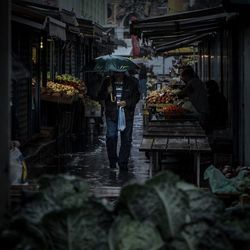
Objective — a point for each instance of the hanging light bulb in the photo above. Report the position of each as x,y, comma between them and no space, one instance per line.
41,43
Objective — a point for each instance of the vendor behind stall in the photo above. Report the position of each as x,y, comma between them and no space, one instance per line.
197,93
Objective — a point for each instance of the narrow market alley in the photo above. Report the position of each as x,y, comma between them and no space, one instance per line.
90,162
88,159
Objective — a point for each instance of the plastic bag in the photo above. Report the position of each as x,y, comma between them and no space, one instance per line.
18,168
219,183
121,119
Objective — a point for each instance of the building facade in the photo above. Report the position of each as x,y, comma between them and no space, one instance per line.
95,10
120,12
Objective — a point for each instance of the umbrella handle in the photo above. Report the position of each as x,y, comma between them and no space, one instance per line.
113,99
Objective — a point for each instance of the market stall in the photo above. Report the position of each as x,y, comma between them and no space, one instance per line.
60,100
171,124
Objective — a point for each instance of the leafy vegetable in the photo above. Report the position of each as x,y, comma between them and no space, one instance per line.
236,223
204,205
201,236
159,202
22,235
56,193
164,213
78,229
128,234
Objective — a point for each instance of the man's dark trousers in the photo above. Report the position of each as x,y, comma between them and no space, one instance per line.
111,143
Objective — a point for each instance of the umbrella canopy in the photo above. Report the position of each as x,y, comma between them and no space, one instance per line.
114,63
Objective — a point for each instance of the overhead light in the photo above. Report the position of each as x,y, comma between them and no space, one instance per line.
41,43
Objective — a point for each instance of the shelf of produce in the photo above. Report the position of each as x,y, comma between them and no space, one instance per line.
59,99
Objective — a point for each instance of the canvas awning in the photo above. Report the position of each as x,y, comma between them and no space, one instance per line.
181,29
26,16
181,51
56,28
70,19
86,27
39,18
27,22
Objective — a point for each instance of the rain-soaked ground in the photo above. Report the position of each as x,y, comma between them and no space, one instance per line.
89,161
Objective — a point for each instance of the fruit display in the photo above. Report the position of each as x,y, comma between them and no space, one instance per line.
72,81
56,89
151,82
163,96
65,89
173,109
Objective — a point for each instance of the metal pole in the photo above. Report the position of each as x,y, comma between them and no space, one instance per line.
163,70
5,104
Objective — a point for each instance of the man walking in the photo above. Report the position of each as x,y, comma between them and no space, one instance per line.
118,91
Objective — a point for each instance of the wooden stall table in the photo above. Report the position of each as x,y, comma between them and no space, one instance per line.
174,136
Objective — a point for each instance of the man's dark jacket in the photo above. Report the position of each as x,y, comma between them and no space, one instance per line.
130,94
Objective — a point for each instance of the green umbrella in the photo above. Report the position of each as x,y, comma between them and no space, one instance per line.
114,63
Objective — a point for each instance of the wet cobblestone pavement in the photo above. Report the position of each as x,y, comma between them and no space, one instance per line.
91,163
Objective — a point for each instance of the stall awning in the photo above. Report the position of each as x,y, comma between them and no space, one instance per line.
183,15
170,46
39,18
181,29
26,16
27,22
100,32
56,28
68,17
86,27
181,51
